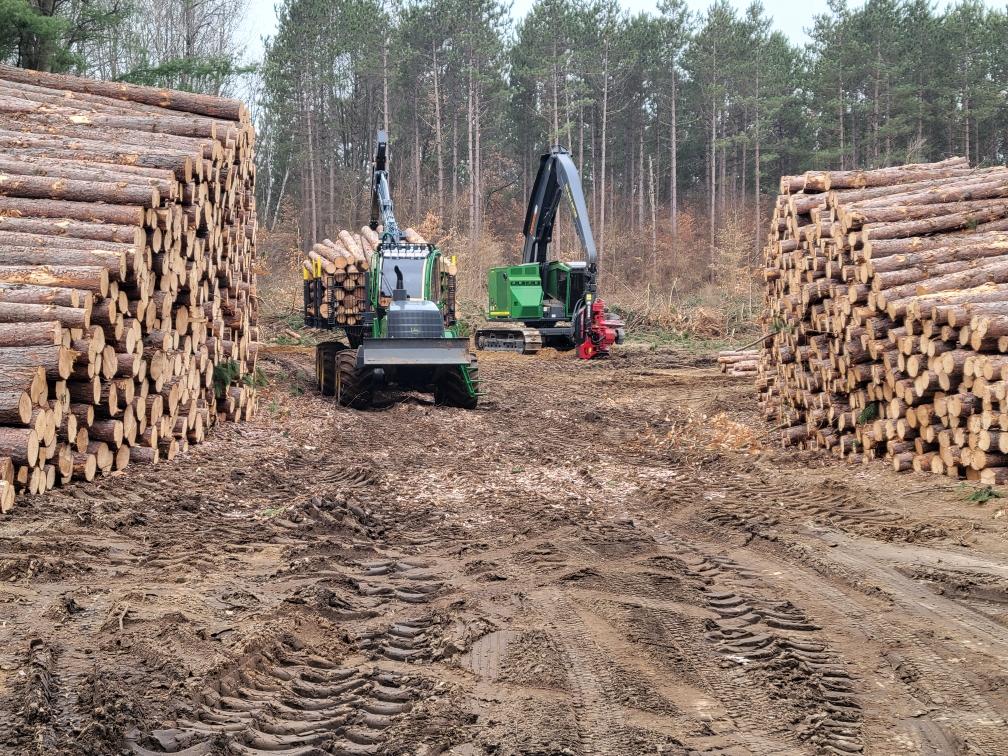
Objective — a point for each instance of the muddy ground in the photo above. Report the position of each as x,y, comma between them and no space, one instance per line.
596,561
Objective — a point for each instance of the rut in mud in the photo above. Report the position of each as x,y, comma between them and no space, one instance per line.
581,566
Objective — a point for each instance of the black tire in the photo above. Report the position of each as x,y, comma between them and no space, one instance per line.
352,386
355,336
325,366
453,391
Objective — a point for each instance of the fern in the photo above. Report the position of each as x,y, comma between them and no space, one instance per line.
983,495
224,374
868,413
255,380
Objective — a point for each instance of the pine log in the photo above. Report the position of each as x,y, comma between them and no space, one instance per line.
89,278
64,227
821,181
17,332
88,212
15,407
930,225
208,105
164,180
20,444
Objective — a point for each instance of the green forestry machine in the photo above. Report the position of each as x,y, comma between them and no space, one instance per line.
405,336
543,302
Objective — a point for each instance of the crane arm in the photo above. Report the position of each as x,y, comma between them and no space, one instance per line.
557,176
382,212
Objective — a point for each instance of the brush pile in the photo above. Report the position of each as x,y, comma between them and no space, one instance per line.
887,312
127,290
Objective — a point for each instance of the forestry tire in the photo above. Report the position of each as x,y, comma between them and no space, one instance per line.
352,389
452,390
325,366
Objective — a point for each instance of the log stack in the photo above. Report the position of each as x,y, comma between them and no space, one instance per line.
127,290
738,362
887,312
342,265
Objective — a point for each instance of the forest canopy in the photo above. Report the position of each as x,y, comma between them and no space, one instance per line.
662,111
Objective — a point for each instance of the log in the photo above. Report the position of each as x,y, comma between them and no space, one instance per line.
21,445
88,212
65,227
89,278
18,333
821,181
57,361
923,226
208,105
45,187
15,408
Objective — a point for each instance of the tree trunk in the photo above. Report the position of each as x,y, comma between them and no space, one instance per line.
713,175
605,115
471,161
652,189
437,134
674,179
640,181
207,105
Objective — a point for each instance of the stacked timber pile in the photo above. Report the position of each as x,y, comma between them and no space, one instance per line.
127,293
738,361
342,265
887,307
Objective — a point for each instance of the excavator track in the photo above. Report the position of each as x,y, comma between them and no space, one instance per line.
521,340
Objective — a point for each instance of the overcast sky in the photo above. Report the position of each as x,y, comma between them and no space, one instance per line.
790,17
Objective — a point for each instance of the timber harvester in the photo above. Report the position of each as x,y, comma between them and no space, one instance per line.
406,337
543,302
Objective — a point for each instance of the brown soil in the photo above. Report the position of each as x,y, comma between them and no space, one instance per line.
596,561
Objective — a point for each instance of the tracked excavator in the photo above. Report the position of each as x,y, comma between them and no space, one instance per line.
544,302
406,338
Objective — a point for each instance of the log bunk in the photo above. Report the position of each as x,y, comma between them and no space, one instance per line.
887,316
342,265
127,289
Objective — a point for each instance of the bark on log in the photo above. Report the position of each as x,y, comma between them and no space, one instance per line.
82,211
71,229
16,333
821,181
91,279
215,107
931,225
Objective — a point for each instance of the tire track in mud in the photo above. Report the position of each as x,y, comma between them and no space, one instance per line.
776,643
779,688
601,721
760,503
34,730
922,644
291,700
296,697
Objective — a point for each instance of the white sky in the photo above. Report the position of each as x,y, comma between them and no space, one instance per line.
790,17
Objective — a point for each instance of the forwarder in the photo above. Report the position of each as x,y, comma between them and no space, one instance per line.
406,336
543,302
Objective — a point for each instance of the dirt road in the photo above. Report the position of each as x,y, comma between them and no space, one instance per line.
582,566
